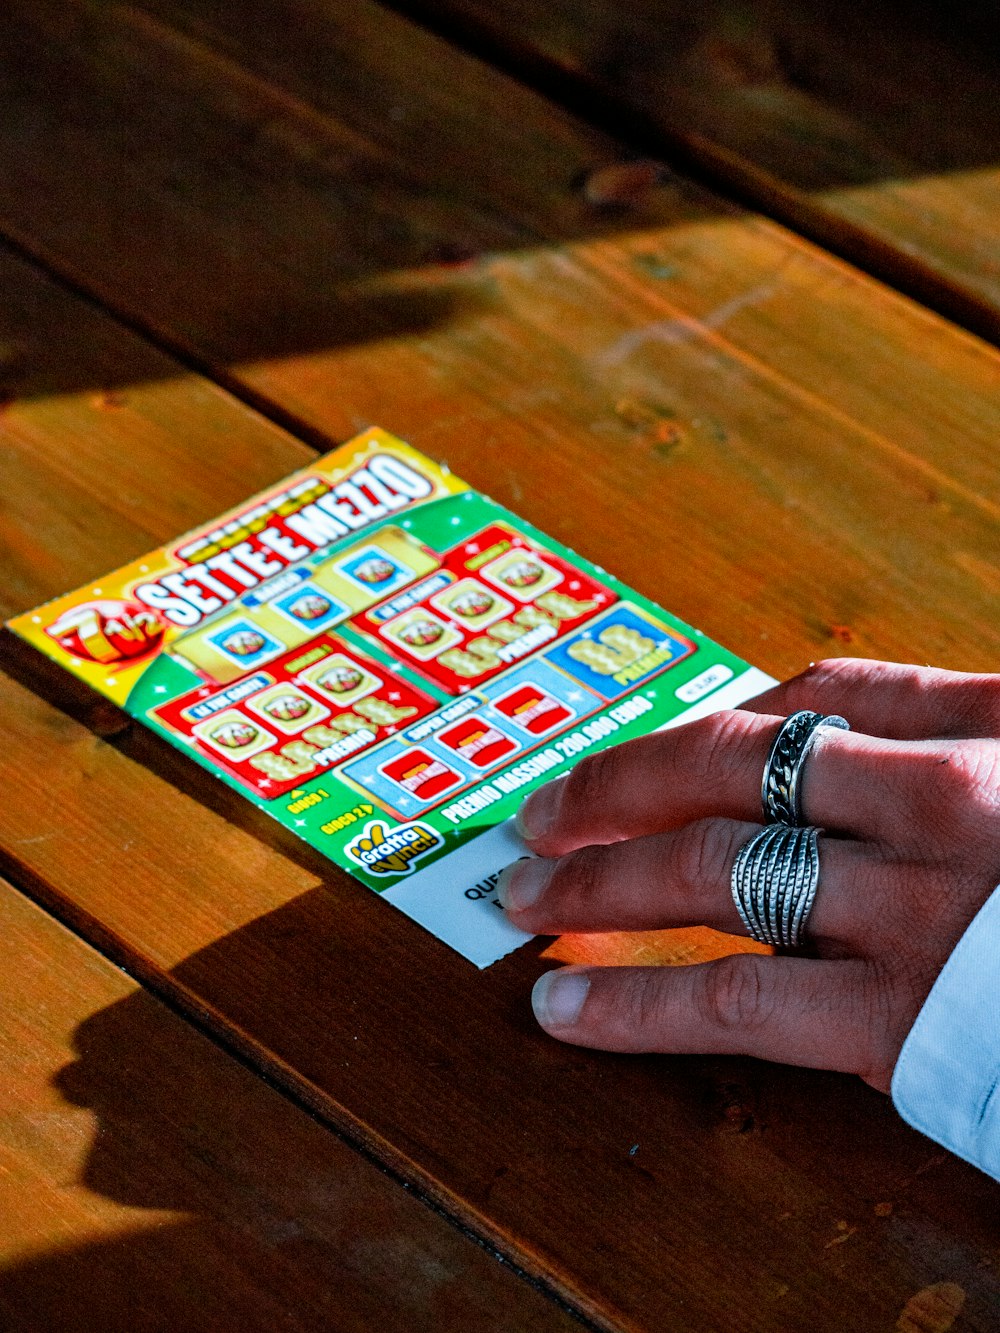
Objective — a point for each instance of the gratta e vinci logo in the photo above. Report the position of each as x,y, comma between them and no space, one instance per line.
384,850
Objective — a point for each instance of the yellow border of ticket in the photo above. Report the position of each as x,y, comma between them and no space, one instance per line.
118,680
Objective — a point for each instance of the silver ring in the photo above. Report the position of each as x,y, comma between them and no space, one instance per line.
780,788
774,882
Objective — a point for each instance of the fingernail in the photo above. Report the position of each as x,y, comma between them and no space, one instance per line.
537,812
521,884
558,997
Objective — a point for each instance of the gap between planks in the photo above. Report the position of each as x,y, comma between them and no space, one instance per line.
62,276
281,1079
285,1206
704,162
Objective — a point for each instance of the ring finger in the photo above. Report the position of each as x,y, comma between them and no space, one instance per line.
683,878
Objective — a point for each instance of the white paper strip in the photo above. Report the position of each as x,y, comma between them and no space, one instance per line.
455,898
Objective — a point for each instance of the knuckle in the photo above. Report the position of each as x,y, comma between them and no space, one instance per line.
971,703
978,765
732,994
888,1001
986,705
641,1001
819,677
957,791
583,875
702,854
594,779
721,736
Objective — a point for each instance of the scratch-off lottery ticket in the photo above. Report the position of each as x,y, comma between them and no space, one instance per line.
387,662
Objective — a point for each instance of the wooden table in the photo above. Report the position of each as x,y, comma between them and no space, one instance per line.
586,277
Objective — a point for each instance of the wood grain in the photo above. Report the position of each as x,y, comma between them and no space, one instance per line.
870,129
149,1181
780,450
755,1197
65,418
824,447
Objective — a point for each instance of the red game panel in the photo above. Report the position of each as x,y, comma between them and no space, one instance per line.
421,774
507,597
529,706
477,741
277,727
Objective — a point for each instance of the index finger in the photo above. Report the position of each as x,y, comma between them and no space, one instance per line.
709,767
652,783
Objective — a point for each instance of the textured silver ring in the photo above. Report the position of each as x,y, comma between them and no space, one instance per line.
780,788
774,881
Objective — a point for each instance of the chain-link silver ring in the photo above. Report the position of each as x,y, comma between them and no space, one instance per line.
780,788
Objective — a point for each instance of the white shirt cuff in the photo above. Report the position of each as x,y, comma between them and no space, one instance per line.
947,1078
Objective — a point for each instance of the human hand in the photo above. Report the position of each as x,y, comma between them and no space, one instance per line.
643,836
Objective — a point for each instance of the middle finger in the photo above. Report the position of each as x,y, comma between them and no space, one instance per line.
683,878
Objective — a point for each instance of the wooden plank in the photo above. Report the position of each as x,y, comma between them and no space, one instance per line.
758,1198
767,434
752,1202
871,130
715,370
70,404
149,1181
